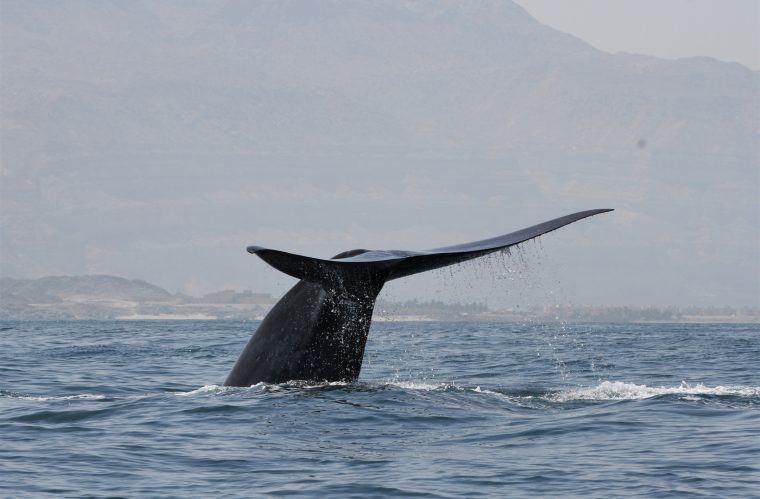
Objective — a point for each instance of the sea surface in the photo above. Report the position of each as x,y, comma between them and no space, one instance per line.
135,409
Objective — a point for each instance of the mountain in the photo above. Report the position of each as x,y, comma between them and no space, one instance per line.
57,288
108,297
245,76
161,138
76,297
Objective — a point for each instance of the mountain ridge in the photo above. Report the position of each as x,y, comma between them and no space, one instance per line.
517,75
162,138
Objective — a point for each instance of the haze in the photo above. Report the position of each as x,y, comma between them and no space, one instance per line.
729,31
156,140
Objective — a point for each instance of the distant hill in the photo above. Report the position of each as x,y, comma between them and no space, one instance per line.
110,297
107,298
56,289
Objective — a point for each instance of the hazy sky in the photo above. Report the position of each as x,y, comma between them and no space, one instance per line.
725,29
157,139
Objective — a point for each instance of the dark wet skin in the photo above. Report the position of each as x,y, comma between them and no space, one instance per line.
318,330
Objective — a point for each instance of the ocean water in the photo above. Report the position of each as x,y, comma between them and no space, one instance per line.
135,409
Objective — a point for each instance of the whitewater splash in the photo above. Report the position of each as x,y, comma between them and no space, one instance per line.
604,391
421,386
42,398
304,385
260,387
208,390
618,390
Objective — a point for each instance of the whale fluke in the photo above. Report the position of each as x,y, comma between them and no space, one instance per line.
394,264
318,330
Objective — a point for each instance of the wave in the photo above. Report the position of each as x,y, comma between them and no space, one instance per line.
311,385
422,386
604,391
42,398
262,387
618,390
208,389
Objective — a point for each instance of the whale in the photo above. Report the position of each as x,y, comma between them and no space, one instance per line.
318,330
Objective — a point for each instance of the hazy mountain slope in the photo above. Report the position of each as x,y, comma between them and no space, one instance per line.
86,76
160,138
56,288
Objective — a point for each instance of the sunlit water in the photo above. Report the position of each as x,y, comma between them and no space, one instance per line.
441,410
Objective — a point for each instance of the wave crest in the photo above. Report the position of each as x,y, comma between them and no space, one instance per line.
618,390
604,391
79,396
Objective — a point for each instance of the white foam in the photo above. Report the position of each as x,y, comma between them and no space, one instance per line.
206,389
416,385
308,385
606,390
81,396
618,390
259,387
499,395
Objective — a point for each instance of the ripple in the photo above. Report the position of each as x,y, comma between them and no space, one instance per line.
92,410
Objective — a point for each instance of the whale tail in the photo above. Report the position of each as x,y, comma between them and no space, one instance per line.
319,329
379,266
